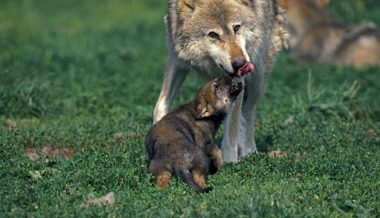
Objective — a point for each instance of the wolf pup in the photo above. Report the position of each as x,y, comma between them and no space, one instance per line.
318,36
214,37
181,142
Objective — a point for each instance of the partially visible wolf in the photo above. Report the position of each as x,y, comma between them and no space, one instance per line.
317,36
213,37
181,141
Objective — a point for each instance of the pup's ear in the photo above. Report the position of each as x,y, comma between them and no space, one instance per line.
186,7
284,4
202,109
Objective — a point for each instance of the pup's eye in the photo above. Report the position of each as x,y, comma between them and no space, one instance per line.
213,35
216,88
236,28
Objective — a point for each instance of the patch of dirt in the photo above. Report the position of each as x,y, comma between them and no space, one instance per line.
104,200
297,177
10,124
128,135
32,154
289,120
279,153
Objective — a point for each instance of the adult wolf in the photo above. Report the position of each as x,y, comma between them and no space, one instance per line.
318,36
212,37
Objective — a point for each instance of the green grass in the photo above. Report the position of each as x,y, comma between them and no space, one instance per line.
75,73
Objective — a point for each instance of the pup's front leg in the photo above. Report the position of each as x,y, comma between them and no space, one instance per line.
174,77
213,151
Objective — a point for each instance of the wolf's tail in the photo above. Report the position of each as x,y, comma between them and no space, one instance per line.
188,179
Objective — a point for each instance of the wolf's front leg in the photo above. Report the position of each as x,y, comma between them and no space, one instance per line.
231,131
249,145
173,79
255,88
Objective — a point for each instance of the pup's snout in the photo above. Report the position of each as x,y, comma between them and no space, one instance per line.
237,64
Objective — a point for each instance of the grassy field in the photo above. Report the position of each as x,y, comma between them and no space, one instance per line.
81,78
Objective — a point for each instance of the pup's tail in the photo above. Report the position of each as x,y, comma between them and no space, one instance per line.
188,179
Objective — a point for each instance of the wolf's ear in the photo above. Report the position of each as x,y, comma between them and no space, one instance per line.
202,109
186,7
284,4
322,2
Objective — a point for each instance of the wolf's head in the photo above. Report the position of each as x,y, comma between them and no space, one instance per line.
219,34
216,97
302,15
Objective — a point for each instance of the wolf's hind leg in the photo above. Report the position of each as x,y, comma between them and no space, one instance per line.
173,79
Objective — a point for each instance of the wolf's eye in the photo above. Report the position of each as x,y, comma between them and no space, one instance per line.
236,28
213,35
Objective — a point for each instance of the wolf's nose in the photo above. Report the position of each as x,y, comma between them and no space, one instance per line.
237,64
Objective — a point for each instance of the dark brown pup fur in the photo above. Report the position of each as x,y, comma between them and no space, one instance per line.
181,142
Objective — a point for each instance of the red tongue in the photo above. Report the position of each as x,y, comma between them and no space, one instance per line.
247,68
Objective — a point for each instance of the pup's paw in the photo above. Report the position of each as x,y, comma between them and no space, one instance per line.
218,162
207,190
217,159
